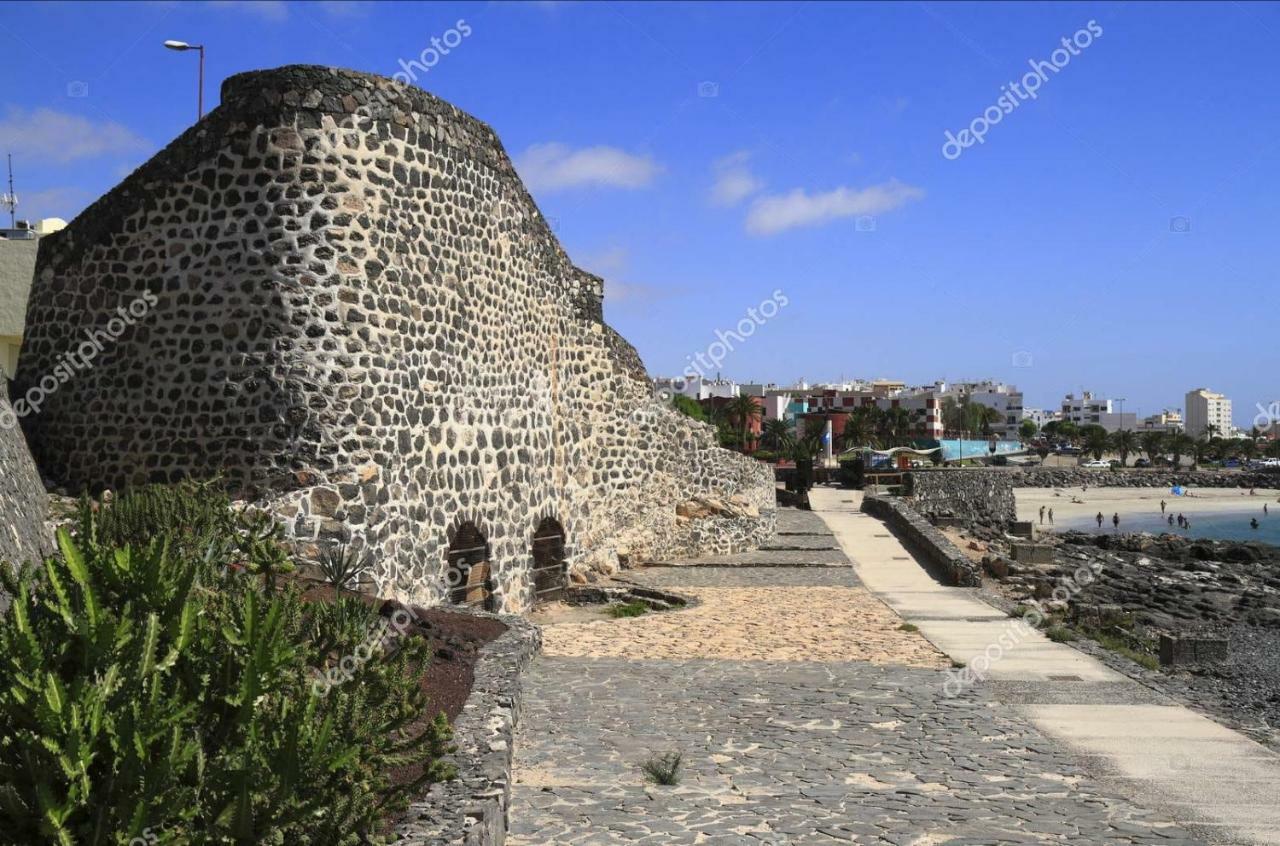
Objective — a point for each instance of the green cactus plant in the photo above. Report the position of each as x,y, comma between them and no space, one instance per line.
149,685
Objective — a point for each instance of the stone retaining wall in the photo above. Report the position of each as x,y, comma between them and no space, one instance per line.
1058,477
471,810
24,507
970,496
335,293
955,566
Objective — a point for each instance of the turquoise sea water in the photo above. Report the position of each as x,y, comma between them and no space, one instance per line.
1220,525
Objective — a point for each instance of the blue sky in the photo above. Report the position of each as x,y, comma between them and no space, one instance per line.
1116,233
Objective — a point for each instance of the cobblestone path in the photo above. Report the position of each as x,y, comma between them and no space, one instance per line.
809,718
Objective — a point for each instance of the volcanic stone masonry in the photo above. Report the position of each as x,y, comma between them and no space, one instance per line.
335,292
24,537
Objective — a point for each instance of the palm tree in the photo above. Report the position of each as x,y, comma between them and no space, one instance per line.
1179,445
859,428
1153,444
1096,440
775,433
1124,442
741,410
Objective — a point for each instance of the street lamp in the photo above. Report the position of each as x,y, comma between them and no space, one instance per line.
1121,401
182,46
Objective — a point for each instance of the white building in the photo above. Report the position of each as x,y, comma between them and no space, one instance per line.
1168,421
1204,408
1088,410
1040,416
695,387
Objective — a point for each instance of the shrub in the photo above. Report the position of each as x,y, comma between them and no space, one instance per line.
634,608
163,684
1060,634
663,769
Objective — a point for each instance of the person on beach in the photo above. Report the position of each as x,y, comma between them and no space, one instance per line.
1050,516
1186,525
1162,506
1042,515
1115,521
1170,519
1253,523
1099,519
1181,520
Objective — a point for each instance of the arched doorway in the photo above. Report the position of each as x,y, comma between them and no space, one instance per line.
550,573
469,578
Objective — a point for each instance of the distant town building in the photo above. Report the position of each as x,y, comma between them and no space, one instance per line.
17,268
695,387
1168,421
1041,416
1204,408
1088,410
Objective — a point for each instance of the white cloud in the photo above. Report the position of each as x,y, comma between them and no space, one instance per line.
49,135
268,10
734,180
779,212
555,167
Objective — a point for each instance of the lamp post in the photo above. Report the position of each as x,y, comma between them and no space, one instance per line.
182,46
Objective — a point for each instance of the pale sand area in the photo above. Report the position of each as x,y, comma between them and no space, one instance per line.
820,624
1135,501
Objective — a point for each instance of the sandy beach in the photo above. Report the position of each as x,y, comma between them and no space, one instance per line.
1137,501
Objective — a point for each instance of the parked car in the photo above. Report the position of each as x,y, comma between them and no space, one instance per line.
1142,462
1098,464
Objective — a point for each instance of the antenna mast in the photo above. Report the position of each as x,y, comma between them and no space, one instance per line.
10,200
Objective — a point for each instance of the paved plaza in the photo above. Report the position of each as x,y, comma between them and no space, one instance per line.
805,712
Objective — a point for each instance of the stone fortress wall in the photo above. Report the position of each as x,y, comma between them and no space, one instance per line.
24,534
335,292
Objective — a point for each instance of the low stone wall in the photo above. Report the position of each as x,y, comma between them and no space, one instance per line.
471,810
1070,477
916,530
970,496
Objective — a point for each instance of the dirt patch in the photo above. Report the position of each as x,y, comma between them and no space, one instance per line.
820,623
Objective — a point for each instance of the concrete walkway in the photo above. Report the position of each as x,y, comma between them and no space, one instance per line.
1212,780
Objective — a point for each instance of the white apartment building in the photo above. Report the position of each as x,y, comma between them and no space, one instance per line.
1205,408
1088,410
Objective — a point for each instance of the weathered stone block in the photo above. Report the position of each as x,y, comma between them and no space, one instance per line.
1032,553
1193,650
